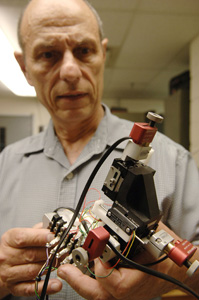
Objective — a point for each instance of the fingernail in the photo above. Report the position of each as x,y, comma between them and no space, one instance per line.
54,286
60,273
50,237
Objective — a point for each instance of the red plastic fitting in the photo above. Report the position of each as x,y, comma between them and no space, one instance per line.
96,241
142,133
181,252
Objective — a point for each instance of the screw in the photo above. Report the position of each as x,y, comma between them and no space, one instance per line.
158,240
128,230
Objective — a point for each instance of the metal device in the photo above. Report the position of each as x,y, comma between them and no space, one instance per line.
130,224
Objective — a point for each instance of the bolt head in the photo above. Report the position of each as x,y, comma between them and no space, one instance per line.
128,230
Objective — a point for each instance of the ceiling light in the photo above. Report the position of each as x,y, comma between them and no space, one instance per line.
10,73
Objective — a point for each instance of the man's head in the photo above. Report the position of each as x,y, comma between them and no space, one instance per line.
63,56
99,21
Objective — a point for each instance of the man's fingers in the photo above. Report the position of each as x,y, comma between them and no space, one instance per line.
26,256
38,225
27,289
87,287
120,282
22,255
54,286
26,237
20,273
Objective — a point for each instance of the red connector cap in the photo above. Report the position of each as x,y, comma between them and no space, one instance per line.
142,133
96,241
181,252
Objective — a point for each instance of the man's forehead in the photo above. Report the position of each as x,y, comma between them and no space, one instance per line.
54,35
49,12
62,15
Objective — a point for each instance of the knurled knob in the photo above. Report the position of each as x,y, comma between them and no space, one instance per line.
155,118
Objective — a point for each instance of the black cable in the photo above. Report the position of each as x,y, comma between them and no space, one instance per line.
156,262
152,272
77,210
62,207
124,265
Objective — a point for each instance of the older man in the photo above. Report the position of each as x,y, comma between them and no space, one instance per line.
63,55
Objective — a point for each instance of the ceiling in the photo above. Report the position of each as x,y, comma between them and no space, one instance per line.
148,43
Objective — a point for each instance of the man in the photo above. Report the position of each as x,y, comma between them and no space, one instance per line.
63,55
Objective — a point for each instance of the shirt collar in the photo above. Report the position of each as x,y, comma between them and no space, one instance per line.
116,128
110,129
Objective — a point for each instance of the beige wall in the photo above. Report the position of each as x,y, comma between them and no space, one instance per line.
16,106
194,96
137,105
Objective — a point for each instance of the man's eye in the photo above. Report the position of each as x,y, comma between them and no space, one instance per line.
85,51
48,55
82,52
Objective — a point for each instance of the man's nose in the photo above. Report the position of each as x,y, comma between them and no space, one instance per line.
70,69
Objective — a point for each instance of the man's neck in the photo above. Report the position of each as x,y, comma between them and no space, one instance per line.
74,137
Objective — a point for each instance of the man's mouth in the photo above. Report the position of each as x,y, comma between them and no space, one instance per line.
72,96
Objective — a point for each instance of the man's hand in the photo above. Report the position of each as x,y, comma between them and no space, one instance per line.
127,284
22,254
123,284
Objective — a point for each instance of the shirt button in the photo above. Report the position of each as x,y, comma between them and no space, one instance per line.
70,176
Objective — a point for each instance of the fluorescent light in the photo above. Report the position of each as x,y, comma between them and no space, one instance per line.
10,72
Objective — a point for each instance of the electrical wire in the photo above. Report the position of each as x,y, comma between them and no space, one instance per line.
78,207
133,239
86,203
41,272
97,276
152,272
130,242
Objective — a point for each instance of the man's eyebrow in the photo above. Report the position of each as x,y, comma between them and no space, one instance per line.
87,40
56,43
44,44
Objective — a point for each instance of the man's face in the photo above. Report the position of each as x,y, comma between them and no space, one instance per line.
64,58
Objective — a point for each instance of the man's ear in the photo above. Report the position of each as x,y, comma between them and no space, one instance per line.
104,46
21,61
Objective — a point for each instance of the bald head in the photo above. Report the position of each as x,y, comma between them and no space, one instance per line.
45,9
